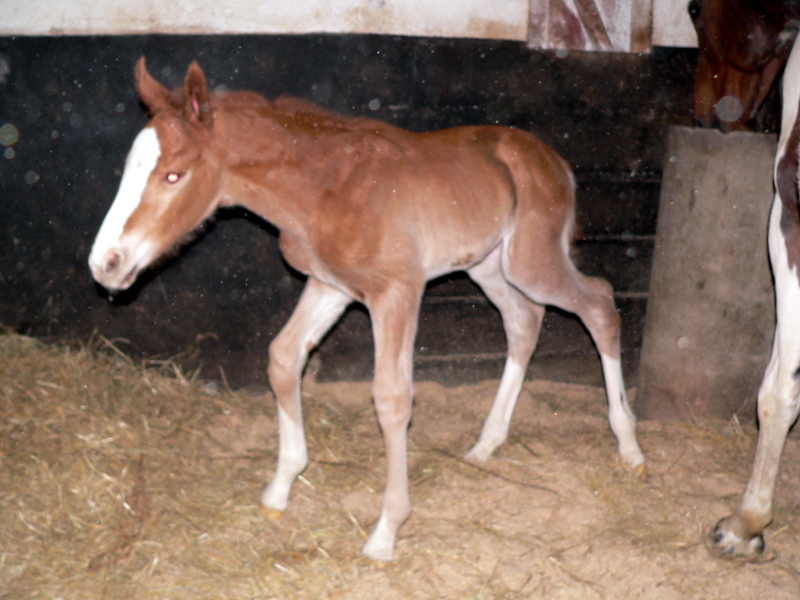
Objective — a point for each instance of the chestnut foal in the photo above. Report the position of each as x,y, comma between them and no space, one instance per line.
369,213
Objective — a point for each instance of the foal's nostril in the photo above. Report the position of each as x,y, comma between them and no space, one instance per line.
112,262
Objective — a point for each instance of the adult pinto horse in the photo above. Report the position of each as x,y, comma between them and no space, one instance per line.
741,534
369,213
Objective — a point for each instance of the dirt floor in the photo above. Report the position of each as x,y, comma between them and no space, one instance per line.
120,482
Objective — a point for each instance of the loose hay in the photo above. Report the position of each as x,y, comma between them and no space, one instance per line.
128,481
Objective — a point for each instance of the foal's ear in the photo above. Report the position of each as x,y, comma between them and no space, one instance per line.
154,95
197,94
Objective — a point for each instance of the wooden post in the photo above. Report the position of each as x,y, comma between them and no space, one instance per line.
710,313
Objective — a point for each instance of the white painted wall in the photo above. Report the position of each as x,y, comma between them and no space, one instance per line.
499,19
672,25
494,19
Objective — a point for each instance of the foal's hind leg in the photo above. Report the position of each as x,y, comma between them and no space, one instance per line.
522,320
549,277
600,316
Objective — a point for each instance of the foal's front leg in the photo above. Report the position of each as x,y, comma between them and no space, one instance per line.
394,323
318,309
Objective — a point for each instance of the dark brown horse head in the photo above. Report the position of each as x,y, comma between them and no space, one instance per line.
743,47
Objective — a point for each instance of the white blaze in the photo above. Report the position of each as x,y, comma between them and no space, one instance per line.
139,165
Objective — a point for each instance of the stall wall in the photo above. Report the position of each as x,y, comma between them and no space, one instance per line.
502,19
607,25
69,112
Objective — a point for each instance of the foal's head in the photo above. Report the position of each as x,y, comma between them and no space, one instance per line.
170,183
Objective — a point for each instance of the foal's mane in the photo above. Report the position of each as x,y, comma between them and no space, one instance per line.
290,111
305,111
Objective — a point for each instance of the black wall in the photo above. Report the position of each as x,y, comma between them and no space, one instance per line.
73,103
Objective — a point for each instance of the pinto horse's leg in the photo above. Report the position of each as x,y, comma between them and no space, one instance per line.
522,320
547,276
394,317
741,534
318,309
778,407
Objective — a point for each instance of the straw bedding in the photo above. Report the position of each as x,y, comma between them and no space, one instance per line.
138,481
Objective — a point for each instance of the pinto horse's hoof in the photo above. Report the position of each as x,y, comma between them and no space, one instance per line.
726,543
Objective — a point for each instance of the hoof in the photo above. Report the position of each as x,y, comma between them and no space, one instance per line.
639,471
479,455
380,545
272,514
379,554
726,543
634,466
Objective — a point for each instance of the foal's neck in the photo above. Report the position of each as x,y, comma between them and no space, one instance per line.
281,160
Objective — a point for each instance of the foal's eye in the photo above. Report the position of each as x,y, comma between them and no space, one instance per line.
173,177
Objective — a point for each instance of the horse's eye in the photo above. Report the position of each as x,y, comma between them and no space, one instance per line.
173,177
